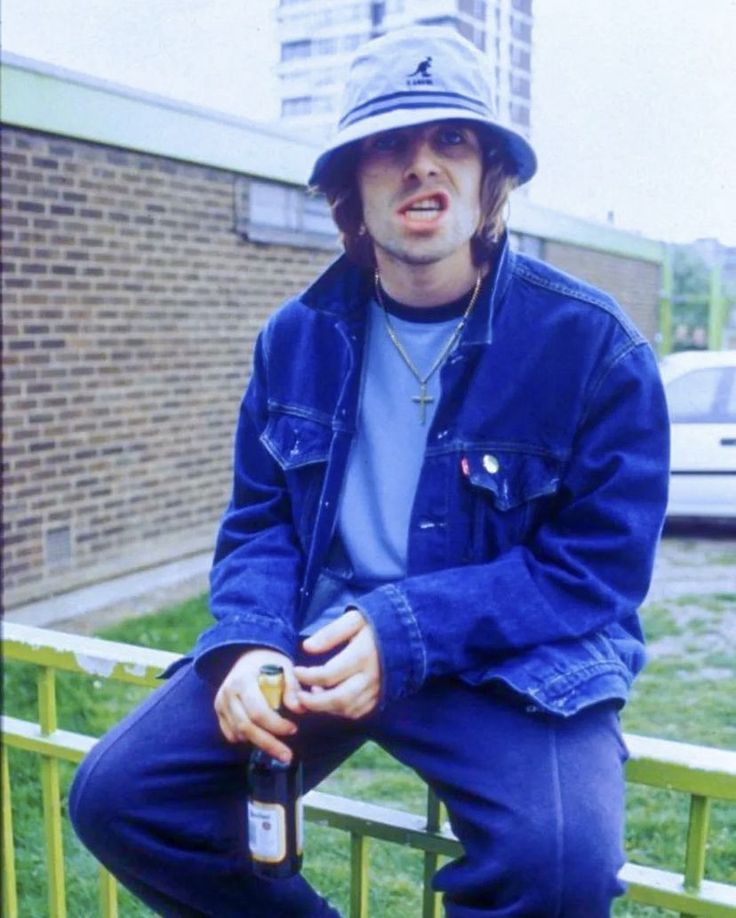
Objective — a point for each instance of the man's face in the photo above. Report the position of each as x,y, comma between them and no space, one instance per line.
420,190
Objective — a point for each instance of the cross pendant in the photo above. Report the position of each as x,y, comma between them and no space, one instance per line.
422,400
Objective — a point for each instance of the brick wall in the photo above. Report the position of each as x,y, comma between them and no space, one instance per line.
634,283
130,311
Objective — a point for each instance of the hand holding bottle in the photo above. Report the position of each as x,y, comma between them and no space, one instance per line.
275,808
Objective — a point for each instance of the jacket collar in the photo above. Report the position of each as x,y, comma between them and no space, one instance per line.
343,290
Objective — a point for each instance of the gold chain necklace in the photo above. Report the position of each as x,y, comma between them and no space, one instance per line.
422,400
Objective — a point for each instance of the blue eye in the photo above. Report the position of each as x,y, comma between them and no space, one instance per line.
452,137
386,143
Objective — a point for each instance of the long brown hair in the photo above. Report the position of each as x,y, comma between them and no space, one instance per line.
340,187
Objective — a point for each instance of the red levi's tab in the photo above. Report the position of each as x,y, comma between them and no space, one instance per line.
465,466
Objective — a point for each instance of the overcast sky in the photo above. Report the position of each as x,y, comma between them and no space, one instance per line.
633,100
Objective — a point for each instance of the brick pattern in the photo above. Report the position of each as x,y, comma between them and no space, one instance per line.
130,311
635,284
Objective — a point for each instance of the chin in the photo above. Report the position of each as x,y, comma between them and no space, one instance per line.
421,252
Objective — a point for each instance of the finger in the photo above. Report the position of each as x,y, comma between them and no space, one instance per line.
347,663
351,698
240,710
225,730
291,693
268,743
239,727
336,632
265,718
358,656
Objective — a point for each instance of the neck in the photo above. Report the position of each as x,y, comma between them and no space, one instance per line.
426,284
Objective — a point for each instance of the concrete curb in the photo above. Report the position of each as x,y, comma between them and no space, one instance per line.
147,586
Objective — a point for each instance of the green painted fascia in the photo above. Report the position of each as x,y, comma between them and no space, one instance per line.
49,99
45,98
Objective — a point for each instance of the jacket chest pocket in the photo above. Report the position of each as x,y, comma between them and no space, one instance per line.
510,490
301,447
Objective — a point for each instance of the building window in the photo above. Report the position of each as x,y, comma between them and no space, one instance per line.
474,8
282,214
520,86
523,6
325,46
521,29
301,105
293,50
378,13
520,57
519,114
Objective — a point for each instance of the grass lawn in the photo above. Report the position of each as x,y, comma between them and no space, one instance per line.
686,693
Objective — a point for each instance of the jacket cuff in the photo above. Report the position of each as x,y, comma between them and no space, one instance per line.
400,645
217,648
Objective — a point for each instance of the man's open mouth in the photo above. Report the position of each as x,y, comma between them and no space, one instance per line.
425,207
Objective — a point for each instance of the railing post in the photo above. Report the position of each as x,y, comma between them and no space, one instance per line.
665,303
358,875
715,309
431,901
697,839
51,790
10,895
108,894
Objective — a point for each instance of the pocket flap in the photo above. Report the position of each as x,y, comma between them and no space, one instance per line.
512,477
294,440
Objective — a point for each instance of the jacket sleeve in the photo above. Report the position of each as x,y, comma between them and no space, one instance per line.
586,567
257,564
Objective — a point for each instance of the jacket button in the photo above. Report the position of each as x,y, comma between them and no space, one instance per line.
491,464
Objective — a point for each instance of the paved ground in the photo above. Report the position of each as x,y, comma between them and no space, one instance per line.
690,562
693,562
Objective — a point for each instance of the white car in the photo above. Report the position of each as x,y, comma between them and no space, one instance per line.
701,397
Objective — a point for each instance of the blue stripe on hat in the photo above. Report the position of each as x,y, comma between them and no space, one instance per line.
416,99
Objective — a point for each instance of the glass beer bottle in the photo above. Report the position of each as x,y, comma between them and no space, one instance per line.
275,833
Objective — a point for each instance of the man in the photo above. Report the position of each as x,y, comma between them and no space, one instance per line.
450,477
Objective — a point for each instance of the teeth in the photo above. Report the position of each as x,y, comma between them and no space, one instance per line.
423,213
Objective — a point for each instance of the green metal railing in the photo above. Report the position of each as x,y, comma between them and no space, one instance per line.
703,774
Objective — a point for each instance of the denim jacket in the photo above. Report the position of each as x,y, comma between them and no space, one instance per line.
538,510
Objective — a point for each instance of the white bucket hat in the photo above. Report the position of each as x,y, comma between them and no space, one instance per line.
419,74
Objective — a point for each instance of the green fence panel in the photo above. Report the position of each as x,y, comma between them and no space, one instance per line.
702,774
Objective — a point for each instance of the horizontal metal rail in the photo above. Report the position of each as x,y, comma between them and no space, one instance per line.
702,773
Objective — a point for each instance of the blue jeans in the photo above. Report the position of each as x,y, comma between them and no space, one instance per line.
536,801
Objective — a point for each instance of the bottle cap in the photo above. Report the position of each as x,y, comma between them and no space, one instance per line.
271,683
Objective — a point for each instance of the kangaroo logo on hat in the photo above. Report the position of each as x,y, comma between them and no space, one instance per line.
421,76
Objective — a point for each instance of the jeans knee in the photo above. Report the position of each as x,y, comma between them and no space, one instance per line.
533,875
96,797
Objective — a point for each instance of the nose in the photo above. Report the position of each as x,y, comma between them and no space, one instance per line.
421,160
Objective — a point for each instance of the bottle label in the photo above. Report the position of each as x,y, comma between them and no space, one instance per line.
299,817
266,831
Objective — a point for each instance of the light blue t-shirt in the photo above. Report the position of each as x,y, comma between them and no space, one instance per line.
386,457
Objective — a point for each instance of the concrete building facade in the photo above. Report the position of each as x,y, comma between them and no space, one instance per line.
145,243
